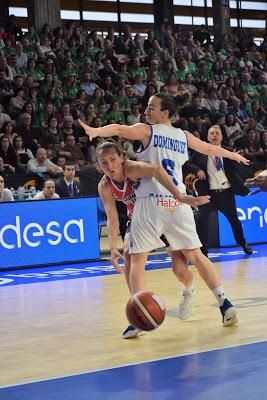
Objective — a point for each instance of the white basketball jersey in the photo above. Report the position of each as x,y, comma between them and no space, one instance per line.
167,147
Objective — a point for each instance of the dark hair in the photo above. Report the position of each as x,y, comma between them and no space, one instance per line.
68,163
227,118
110,145
5,137
22,140
50,118
167,103
5,125
16,91
48,180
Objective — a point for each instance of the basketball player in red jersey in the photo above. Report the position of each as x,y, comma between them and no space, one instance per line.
118,184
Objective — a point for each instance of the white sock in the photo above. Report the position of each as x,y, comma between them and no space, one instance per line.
189,289
219,294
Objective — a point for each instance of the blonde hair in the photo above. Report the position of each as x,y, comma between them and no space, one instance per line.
214,127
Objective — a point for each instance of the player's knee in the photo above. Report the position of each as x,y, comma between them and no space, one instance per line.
195,256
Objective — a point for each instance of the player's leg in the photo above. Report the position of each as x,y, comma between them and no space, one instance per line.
127,258
131,331
136,281
145,233
180,269
181,234
209,274
137,272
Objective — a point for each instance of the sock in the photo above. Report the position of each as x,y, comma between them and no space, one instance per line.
219,294
189,289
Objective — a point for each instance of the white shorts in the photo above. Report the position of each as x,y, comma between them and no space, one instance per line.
153,217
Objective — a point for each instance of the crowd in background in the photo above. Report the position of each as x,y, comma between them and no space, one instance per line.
51,78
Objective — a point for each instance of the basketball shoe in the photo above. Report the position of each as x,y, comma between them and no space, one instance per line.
132,332
186,307
229,313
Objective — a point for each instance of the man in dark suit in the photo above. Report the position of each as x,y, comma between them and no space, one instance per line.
67,186
220,178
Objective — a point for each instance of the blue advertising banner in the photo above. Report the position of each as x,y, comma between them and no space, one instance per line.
44,232
252,212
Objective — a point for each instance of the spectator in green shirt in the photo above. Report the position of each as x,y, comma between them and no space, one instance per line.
181,71
202,74
263,96
98,98
49,68
102,113
70,67
28,49
191,66
46,85
167,69
32,36
46,114
123,72
34,72
90,49
124,103
114,113
70,87
247,85
72,47
78,57
136,69
52,97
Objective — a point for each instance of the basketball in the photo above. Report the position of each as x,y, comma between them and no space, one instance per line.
145,311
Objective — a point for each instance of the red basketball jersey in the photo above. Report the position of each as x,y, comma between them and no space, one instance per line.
126,194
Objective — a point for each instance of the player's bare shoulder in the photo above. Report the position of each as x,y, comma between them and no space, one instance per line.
103,184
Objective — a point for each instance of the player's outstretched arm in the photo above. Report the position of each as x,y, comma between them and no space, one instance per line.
113,224
212,150
134,132
138,169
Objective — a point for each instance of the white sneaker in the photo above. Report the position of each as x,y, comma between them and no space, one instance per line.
131,332
229,313
230,317
186,307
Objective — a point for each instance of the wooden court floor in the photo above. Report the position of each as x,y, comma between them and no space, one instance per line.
66,327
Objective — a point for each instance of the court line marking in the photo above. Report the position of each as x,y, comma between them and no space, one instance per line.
133,364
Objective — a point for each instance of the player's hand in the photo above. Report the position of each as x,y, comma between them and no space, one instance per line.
196,201
91,132
240,159
201,175
115,255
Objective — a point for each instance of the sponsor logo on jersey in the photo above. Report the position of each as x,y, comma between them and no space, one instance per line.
170,204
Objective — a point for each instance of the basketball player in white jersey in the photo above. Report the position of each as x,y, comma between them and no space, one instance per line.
121,177
155,210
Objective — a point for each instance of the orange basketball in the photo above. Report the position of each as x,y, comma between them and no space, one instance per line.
145,311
